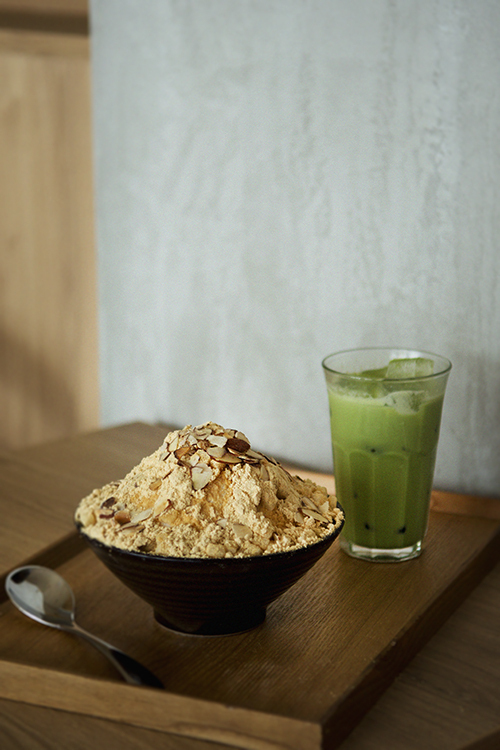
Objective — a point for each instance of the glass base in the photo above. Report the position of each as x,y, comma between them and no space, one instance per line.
400,554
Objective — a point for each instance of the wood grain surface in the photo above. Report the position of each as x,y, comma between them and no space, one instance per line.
329,647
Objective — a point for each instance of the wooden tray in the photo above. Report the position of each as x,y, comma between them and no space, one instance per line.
328,649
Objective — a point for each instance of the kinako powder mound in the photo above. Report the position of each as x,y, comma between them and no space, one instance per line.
206,493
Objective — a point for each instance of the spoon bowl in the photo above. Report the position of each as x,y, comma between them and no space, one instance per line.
43,595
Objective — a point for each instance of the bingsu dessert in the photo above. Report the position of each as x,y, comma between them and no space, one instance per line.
205,493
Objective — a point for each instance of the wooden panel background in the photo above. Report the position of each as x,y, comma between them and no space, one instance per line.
48,316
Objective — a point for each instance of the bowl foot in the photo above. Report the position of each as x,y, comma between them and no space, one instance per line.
227,624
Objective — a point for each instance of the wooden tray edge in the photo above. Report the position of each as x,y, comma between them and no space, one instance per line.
156,709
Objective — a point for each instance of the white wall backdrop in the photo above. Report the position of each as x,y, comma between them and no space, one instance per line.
279,179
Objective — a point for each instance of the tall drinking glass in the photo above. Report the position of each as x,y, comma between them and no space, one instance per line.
385,414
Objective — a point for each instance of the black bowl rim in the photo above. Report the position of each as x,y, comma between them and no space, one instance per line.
144,556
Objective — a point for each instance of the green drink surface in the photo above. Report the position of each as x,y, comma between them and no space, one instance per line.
384,451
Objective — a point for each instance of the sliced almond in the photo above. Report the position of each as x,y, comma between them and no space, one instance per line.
308,503
241,531
132,527
270,459
122,517
108,502
201,475
155,484
236,445
229,458
314,514
161,505
219,440
180,452
254,454
174,444
249,460
202,431
216,451
141,515
222,522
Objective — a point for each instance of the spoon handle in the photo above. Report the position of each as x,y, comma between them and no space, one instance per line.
131,670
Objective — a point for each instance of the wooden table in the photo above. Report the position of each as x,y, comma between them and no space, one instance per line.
437,687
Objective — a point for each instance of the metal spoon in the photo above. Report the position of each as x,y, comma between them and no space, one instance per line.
43,595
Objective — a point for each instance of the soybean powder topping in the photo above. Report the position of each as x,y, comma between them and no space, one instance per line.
206,493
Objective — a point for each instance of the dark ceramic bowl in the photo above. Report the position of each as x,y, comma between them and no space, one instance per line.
205,596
